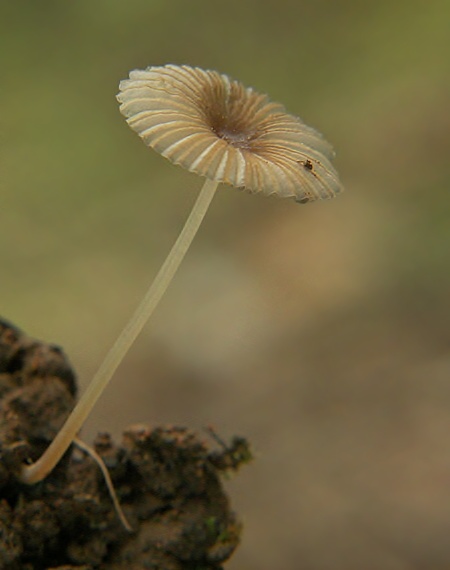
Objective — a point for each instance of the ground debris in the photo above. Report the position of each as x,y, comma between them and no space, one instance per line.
167,480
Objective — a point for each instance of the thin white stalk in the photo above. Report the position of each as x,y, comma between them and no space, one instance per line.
37,471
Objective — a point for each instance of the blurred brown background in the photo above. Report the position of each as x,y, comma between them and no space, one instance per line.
321,332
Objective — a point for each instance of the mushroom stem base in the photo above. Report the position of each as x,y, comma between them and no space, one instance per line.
37,471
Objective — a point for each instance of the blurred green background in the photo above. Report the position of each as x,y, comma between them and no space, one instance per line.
321,332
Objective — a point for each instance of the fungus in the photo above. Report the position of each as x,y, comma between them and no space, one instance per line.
228,133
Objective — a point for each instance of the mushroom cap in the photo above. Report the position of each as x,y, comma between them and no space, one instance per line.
218,128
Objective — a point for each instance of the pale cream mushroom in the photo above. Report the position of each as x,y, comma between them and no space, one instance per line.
225,132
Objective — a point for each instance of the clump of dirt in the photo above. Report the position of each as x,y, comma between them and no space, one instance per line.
167,480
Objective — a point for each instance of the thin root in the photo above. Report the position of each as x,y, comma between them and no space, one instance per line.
96,457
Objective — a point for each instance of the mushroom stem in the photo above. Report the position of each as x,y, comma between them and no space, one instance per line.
37,471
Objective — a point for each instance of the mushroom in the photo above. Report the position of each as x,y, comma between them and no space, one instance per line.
228,133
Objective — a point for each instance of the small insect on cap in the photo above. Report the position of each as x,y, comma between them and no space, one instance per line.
216,127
